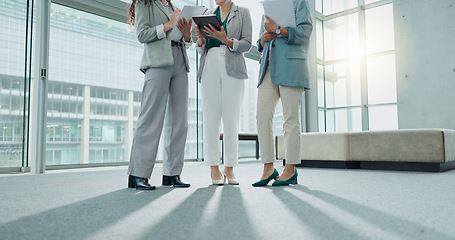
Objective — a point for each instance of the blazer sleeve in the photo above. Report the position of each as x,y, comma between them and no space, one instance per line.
261,31
304,22
244,43
188,44
201,49
145,32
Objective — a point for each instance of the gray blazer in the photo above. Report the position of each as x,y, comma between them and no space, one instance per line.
239,29
157,52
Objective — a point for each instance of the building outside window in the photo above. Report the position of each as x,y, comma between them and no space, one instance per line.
356,65
94,85
14,72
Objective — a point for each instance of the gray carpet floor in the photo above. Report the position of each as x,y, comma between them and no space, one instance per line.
95,203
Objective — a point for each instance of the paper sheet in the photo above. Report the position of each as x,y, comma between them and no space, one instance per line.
281,11
187,12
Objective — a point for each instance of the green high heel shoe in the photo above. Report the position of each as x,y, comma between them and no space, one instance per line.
291,180
264,182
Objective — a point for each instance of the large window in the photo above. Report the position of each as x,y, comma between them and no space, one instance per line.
381,77
341,37
93,67
15,39
356,66
333,6
94,84
94,62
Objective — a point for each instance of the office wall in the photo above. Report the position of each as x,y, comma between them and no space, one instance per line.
425,63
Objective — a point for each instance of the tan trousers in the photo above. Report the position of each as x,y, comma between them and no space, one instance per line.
268,96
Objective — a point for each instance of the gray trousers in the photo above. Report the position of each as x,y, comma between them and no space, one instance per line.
164,100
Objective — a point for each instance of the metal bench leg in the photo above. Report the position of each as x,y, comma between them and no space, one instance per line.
257,149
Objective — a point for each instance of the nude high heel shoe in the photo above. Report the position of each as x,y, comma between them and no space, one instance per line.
218,181
231,181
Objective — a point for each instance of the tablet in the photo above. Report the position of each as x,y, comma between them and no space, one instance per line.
187,12
205,20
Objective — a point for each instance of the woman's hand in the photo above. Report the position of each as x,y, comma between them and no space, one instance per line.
210,31
267,36
270,25
185,28
175,16
200,38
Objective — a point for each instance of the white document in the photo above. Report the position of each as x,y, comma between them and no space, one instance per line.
187,12
281,11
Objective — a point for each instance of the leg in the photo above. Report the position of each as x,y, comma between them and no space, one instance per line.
268,97
150,123
290,98
176,123
211,112
232,98
176,126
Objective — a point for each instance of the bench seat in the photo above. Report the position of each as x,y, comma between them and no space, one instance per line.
405,149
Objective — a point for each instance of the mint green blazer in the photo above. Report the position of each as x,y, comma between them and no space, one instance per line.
157,52
288,56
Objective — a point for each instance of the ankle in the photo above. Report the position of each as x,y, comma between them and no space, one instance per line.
289,168
269,167
228,169
229,172
267,174
215,172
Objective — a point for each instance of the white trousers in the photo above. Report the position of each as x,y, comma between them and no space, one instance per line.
222,97
268,96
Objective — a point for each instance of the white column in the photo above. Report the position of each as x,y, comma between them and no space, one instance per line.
38,91
129,126
363,67
309,117
85,127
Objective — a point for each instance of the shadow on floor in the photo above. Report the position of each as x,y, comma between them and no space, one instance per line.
187,221
314,219
81,219
329,228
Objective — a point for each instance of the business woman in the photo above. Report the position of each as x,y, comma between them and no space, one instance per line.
221,73
284,73
165,93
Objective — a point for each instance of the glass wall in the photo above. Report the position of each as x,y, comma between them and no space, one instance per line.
356,66
381,76
93,68
333,6
15,38
341,37
94,82
94,86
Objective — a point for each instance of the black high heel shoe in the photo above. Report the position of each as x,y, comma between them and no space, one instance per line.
174,181
139,183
